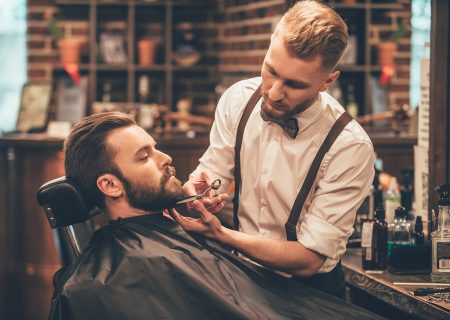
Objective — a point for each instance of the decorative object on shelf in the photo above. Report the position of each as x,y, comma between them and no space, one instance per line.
186,51
386,52
125,107
34,107
148,112
71,99
162,123
146,49
69,46
112,48
184,106
352,106
147,115
399,117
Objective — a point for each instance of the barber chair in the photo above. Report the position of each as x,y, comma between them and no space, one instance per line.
68,215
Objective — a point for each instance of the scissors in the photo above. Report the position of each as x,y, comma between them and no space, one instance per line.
215,184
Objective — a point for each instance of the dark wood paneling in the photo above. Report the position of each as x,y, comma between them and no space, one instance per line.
397,153
3,246
31,258
439,154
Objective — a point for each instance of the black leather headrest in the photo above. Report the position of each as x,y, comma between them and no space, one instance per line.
64,204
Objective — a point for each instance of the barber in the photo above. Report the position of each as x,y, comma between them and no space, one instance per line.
266,134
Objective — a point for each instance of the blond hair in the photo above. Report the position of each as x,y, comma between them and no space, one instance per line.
313,29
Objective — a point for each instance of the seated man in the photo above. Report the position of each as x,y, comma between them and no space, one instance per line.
143,265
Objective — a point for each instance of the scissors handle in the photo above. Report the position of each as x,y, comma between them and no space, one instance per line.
214,186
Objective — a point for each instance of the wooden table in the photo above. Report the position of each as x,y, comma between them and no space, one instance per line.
381,286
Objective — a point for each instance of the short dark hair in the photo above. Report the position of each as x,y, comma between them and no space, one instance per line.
88,156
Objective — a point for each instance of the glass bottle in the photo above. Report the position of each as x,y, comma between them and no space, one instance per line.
377,191
392,200
352,106
406,189
440,239
419,237
399,231
374,254
106,96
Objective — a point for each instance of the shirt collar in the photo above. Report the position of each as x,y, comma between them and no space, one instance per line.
310,115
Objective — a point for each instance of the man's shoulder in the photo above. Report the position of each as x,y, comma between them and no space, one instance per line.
353,132
243,89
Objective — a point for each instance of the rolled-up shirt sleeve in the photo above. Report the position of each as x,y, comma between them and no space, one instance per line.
219,157
345,181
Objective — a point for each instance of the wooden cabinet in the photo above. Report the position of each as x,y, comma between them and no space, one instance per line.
28,256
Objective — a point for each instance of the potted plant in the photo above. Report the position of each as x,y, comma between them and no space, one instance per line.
386,52
69,47
386,49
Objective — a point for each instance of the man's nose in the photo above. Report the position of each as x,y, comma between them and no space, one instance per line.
165,160
276,91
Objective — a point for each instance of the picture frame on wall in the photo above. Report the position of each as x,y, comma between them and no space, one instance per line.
112,48
71,99
34,107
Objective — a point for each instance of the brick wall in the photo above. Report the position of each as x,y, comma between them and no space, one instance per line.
384,24
247,27
236,40
42,51
245,35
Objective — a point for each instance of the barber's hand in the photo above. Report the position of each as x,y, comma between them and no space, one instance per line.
207,225
199,184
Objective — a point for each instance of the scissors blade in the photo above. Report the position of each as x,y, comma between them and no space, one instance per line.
187,199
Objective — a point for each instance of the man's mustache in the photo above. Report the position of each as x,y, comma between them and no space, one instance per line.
168,172
278,104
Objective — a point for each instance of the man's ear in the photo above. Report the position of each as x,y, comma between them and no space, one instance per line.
110,185
331,78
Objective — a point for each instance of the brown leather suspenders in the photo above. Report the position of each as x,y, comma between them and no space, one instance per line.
294,216
237,152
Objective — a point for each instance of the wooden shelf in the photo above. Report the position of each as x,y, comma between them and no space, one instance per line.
72,2
126,75
156,67
112,67
359,18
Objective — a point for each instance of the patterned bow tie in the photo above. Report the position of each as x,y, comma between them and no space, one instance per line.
290,126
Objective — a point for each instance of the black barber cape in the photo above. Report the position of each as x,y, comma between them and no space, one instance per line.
148,267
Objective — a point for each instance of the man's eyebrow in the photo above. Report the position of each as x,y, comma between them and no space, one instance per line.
295,82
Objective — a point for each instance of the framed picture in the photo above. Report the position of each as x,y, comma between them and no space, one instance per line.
34,106
112,48
71,99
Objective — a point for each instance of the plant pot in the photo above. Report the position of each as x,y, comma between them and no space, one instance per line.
146,50
386,52
70,50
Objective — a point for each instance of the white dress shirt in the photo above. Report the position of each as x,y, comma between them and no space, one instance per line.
274,166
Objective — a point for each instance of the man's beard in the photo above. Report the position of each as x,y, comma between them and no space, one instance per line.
268,115
287,112
150,198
